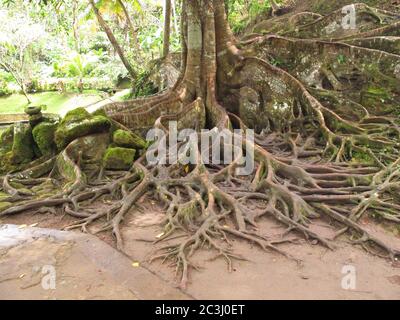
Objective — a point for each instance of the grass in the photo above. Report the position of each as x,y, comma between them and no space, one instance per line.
54,101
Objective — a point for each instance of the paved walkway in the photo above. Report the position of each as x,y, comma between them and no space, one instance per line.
50,264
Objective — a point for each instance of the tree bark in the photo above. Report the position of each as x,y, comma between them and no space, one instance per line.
113,41
167,28
132,29
75,26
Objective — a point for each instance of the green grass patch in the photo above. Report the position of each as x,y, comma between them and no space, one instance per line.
54,101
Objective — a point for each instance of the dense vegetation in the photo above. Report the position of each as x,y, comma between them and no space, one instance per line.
61,46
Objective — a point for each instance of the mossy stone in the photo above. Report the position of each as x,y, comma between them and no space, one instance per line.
117,158
123,138
35,115
99,112
7,139
43,135
78,123
75,115
22,149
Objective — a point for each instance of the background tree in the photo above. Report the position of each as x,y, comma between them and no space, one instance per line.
113,40
18,35
167,28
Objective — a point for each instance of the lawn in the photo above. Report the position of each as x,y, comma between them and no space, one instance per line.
54,101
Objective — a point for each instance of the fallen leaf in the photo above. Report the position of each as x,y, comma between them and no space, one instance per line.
135,264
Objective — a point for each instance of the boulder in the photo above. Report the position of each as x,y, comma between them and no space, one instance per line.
117,158
43,135
78,123
126,139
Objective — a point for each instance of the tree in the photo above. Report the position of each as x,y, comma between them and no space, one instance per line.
325,147
132,29
113,40
17,36
167,28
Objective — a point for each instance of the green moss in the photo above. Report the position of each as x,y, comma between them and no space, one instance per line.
7,139
65,168
381,92
100,112
75,115
78,123
22,149
119,158
128,139
5,206
32,110
43,135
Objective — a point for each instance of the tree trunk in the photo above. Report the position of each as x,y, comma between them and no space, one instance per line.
167,28
75,26
17,79
113,41
132,30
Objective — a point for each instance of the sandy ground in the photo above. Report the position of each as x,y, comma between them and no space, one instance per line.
265,275
50,264
23,269
269,275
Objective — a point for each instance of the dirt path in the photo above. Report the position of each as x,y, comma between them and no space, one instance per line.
268,275
49,264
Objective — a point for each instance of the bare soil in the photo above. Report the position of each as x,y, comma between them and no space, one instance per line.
265,275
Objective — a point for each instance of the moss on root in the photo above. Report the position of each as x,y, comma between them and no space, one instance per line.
78,123
128,139
117,158
5,205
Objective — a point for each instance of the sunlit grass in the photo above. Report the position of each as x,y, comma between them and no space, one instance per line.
54,101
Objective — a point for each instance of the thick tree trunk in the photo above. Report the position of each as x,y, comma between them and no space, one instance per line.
113,41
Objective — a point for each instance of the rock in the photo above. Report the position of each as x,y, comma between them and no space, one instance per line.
35,115
128,139
22,148
32,110
78,123
117,158
43,135
7,139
